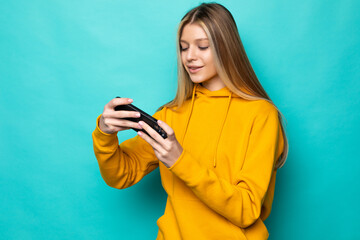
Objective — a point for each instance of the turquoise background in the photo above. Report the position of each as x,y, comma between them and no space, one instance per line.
62,61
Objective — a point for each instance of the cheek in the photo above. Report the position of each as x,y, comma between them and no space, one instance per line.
209,60
183,59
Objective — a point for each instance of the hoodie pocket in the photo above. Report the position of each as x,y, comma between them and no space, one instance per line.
198,221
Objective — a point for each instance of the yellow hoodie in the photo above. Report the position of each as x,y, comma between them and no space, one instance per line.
222,185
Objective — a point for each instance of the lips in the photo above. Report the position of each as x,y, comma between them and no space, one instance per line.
194,69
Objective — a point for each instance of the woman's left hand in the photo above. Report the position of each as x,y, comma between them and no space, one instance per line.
166,150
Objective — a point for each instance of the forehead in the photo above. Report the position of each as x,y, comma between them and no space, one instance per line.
193,32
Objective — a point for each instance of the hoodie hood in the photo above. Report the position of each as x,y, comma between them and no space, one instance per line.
199,90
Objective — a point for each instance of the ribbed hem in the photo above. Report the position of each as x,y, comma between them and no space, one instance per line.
177,161
188,168
102,136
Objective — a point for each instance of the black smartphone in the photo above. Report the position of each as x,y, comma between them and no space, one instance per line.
150,120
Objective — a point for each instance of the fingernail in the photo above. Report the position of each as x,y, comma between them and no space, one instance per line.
130,100
141,123
159,122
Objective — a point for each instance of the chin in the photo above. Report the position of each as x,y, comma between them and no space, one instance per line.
198,80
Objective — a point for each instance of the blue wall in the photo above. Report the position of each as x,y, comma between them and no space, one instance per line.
62,61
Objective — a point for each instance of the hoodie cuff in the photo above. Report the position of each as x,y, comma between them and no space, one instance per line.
102,137
188,169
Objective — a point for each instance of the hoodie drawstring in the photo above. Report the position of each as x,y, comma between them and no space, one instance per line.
189,114
222,124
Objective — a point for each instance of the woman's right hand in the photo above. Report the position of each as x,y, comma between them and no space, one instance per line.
111,121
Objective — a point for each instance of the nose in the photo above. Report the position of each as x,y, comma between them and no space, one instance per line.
191,54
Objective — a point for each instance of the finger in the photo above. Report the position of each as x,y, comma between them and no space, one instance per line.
119,101
152,132
121,123
169,131
121,114
150,140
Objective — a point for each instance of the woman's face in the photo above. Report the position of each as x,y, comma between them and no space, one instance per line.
197,58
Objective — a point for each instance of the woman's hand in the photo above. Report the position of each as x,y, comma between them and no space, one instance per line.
166,150
111,121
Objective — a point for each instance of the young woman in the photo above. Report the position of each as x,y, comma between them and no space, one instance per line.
225,138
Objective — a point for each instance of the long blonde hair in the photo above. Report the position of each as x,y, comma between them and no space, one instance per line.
231,61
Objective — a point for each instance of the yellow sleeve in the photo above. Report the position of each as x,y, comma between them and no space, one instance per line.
240,203
123,165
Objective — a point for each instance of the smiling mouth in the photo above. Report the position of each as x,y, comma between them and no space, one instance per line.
194,69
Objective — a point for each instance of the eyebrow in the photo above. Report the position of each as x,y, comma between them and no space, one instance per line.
198,39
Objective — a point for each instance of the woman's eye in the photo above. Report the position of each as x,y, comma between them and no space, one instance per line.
183,49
